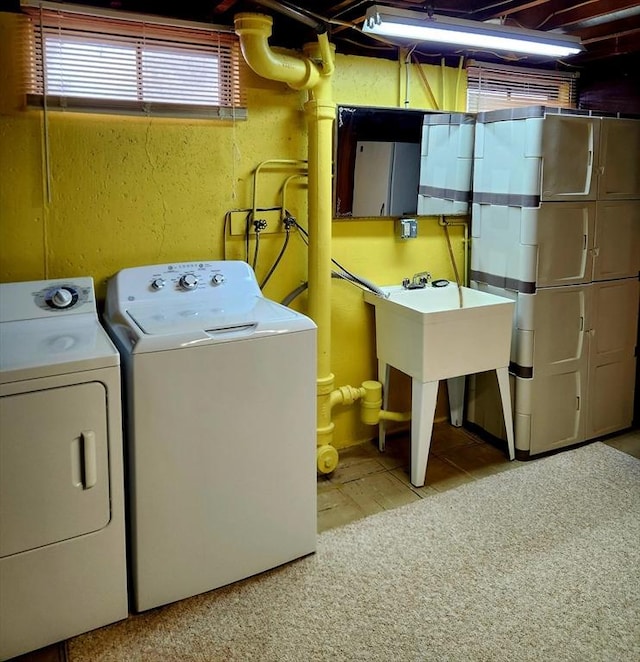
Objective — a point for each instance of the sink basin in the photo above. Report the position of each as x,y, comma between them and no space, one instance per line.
428,335
425,334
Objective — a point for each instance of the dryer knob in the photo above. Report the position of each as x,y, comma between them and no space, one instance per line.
188,282
157,283
217,279
62,297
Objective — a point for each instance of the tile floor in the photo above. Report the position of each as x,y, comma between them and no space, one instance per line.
367,482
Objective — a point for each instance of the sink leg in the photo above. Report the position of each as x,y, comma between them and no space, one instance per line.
423,406
455,387
384,373
505,396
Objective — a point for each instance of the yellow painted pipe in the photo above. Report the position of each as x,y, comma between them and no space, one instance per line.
254,31
320,111
326,52
371,412
313,73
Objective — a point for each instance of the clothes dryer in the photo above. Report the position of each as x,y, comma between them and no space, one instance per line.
62,531
221,426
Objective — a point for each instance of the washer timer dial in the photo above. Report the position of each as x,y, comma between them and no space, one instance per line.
188,282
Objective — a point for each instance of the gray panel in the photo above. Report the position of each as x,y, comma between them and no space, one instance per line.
506,199
446,193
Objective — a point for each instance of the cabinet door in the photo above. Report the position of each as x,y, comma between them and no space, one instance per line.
557,406
54,478
372,177
569,158
558,324
617,239
619,162
613,329
557,392
565,235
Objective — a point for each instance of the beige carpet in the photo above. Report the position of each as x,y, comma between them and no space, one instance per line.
536,563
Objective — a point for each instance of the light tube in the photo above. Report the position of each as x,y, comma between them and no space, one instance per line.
416,26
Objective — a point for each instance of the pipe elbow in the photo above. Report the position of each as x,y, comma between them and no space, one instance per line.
254,31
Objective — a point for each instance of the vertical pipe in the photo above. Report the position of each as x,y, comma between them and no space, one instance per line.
312,73
320,114
320,111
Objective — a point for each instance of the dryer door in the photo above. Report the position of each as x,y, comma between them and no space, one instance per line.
54,478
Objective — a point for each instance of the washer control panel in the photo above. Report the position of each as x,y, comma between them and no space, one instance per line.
185,281
187,277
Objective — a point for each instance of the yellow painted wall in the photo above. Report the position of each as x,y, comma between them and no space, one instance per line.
128,191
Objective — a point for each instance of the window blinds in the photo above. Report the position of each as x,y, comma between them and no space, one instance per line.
494,86
111,63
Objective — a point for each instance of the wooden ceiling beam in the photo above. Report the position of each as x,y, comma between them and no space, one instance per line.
613,30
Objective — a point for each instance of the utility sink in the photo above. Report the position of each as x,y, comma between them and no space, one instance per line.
427,334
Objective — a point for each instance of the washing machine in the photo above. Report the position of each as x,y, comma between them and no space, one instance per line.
221,422
62,529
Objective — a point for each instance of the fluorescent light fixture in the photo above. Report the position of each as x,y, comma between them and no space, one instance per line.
419,26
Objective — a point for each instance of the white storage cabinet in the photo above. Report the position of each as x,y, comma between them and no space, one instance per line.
556,226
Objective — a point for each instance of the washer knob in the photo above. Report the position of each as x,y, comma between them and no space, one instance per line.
157,283
217,279
188,282
62,297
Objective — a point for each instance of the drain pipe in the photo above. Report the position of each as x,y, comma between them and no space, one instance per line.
313,73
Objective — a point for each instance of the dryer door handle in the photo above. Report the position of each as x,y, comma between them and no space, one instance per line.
89,458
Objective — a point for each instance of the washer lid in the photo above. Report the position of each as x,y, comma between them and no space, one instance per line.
226,320
30,349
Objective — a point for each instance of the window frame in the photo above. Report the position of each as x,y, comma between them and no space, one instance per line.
496,86
219,47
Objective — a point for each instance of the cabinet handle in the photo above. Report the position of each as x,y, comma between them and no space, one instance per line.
577,403
89,458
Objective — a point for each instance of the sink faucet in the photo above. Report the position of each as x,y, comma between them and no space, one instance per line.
419,280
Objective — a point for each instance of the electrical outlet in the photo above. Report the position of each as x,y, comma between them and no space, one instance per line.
238,222
408,228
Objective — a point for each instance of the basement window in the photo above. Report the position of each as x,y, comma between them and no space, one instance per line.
117,63
495,86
